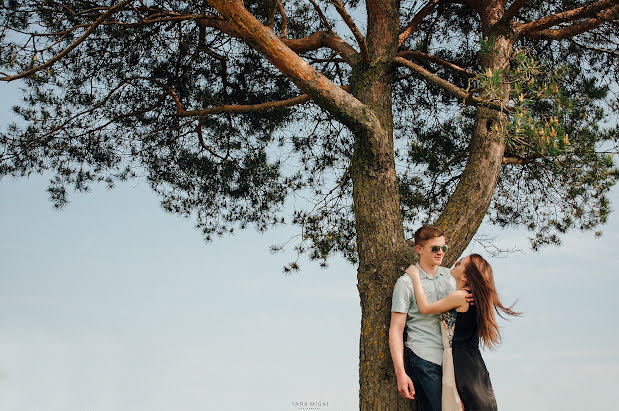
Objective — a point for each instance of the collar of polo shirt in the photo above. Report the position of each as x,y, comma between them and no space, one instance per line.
423,274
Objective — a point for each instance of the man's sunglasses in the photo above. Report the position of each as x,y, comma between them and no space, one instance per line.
437,248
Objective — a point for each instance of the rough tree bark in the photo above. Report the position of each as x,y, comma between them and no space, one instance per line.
380,233
469,203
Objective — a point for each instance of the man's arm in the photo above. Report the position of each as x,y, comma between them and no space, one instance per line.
396,346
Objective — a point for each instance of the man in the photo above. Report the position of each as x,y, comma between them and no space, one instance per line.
419,358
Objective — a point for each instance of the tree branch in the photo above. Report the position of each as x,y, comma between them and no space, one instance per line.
428,57
205,146
316,41
418,18
218,23
575,29
72,46
600,50
282,12
565,16
158,103
50,131
343,106
515,160
324,39
321,15
351,25
511,12
271,15
248,108
313,42
451,88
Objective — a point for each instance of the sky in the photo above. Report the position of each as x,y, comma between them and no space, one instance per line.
112,304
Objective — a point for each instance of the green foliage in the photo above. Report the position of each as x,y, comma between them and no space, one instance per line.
541,108
561,130
554,136
487,44
102,115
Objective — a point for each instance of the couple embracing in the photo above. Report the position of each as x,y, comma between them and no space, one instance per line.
439,362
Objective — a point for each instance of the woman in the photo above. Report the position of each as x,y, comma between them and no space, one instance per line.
472,323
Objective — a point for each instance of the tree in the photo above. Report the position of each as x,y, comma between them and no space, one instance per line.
487,107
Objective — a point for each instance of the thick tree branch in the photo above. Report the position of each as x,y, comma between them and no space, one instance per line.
218,23
313,42
418,18
575,29
451,88
514,160
324,39
342,105
511,12
72,46
591,10
352,26
433,59
247,108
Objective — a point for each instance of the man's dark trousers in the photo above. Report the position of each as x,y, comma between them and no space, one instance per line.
427,378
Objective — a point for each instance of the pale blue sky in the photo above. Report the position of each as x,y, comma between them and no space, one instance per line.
111,304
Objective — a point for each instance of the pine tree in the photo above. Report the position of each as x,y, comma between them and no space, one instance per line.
378,115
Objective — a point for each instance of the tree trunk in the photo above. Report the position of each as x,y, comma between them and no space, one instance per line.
381,247
467,206
380,234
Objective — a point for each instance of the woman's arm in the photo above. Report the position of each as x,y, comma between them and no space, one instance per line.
453,300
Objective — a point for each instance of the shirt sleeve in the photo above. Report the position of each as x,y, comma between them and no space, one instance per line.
403,295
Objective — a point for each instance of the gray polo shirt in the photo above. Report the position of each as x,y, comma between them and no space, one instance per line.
424,330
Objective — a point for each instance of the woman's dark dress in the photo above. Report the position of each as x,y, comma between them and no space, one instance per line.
472,379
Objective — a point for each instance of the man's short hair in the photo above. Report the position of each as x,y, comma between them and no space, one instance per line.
427,232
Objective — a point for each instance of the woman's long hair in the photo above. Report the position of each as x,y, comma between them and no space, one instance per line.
481,280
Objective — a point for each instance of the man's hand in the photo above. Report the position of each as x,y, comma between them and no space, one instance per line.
406,388
470,298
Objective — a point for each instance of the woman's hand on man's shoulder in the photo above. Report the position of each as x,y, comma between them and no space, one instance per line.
462,296
412,269
469,297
